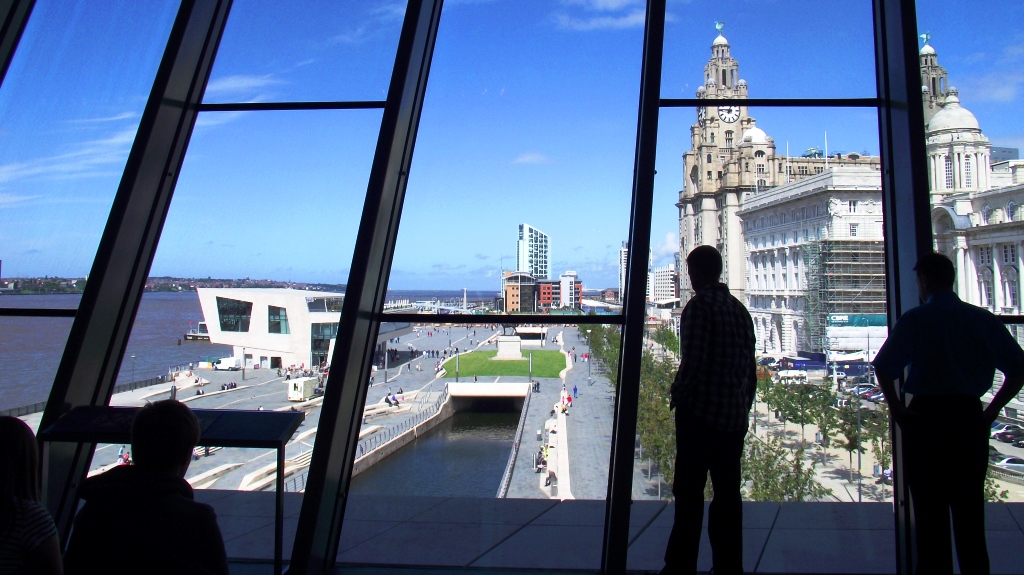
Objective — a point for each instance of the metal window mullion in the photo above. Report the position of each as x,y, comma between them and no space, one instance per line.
99,334
330,471
14,15
620,469
905,201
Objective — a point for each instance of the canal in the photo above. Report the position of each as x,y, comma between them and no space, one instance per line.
464,456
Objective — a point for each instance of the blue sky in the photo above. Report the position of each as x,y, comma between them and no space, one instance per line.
530,117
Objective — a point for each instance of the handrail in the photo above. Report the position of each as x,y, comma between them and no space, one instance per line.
506,478
381,438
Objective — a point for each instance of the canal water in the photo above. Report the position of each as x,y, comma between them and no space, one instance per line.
464,456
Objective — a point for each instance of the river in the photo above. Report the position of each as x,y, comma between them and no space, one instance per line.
31,347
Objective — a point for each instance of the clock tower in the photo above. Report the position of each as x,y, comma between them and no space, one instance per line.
711,197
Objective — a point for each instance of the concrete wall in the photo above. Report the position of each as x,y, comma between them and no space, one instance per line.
446,411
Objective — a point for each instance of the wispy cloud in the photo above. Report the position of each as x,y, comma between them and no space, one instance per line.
531,158
241,83
115,118
90,158
631,20
665,250
377,19
994,87
482,257
9,200
586,15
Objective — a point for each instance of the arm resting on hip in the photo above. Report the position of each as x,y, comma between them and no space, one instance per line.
1011,386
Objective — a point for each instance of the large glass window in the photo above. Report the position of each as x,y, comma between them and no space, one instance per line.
234,314
278,317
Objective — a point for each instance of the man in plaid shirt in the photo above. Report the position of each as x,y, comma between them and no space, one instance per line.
712,395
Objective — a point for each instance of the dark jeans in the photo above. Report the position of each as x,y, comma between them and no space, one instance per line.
701,449
946,446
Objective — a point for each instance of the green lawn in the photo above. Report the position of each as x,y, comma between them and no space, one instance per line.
545,364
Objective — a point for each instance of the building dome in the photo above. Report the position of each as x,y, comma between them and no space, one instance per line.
742,82
701,90
927,49
720,41
952,116
755,135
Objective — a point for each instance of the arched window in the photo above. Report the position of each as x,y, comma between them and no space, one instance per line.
949,173
985,285
967,172
728,138
986,214
1010,286
712,137
759,154
709,159
1011,211
762,184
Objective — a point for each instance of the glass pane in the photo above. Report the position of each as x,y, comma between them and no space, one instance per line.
503,436
769,52
306,51
509,147
976,178
30,351
801,241
69,107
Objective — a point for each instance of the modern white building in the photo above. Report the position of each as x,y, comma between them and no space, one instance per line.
662,283
533,252
275,327
623,263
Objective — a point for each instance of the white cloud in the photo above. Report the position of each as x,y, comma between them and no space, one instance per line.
1001,87
634,19
531,158
241,83
602,5
115,118
7,200
87,159
664,251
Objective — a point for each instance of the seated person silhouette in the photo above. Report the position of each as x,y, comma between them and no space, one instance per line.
142,517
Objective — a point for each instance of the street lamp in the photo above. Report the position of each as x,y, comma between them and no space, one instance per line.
243,364
133,368
588,358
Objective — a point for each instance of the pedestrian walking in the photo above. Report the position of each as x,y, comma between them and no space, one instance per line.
953,350
575,391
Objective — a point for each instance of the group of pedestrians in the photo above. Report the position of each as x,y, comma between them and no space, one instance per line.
949,351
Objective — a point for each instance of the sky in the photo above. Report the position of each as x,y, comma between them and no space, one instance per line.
529,117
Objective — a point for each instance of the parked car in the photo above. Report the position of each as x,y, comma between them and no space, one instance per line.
870,391
995,456
876,397
1004,427
1010,435
1019,442
1012,463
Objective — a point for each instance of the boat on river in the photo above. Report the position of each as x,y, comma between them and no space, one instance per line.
199,333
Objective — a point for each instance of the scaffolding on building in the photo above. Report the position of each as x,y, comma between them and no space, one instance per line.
844,276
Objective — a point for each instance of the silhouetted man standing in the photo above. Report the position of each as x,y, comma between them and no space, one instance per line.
712,395
953,349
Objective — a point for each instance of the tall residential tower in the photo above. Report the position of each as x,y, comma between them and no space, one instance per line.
533,252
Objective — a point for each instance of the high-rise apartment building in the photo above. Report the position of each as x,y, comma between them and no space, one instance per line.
623,262
533,252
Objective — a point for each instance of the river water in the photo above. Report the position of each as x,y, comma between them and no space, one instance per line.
31,347
464,456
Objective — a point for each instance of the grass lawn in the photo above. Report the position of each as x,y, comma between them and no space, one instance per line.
545,364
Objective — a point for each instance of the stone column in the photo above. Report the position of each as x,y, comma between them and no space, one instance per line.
961,270
997,280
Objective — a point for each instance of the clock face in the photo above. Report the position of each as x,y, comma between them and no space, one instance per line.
702,114
729,114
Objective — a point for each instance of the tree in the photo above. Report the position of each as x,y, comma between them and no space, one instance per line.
773,473
853,434
655,422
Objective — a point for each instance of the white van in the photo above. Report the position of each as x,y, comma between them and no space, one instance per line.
228,363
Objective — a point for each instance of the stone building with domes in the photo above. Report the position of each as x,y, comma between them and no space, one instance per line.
731,158
743,197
